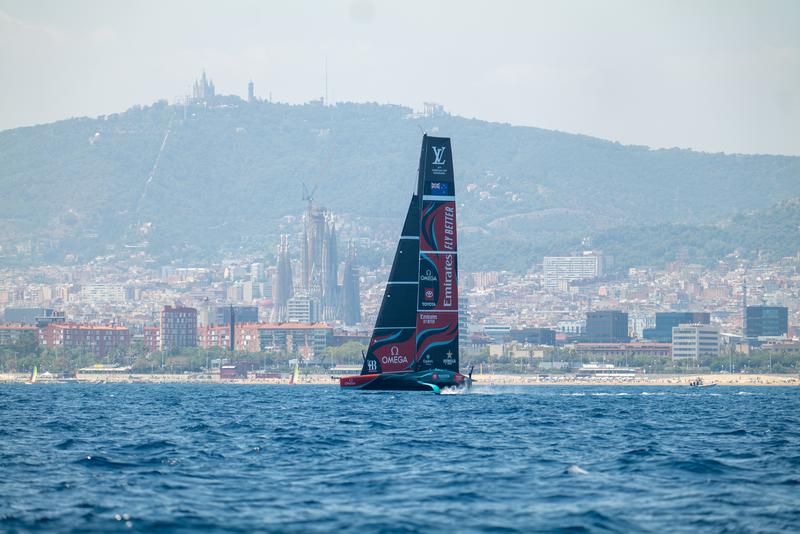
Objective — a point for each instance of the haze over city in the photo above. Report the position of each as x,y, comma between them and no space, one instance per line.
710,76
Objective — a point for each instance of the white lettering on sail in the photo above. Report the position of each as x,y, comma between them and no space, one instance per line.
427,277
428,319
449,227
394,357
448,281
438,152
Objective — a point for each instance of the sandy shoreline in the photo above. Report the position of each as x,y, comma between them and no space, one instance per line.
481,379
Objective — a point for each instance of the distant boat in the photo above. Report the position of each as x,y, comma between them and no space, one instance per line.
34,375
295,373
698,383
414,344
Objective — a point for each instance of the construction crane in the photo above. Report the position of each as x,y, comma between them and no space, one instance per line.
309,195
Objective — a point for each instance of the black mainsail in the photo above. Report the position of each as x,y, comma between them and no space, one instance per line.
392,347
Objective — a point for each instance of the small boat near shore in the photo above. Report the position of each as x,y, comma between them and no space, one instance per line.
698,383
34,375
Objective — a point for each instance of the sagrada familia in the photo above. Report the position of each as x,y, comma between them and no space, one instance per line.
319,278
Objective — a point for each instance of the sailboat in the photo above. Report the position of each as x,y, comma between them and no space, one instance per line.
34,375
414,344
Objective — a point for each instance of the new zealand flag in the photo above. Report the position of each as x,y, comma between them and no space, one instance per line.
440,188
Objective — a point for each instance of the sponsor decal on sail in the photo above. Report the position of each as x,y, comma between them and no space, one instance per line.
394,357
439,162
427,277
438,152
438,289
449,227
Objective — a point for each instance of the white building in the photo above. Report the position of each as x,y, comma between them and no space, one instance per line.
302,309
691,341
568,268
96,294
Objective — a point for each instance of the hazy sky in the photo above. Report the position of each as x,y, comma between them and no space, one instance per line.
713,76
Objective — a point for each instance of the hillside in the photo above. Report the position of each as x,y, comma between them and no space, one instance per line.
772,234
200,182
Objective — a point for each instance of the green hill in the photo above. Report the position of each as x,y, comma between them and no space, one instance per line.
200,182
773,233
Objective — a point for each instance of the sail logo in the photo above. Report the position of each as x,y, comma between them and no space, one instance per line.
438,152
372,366
449,262
449,360
394,357
427,277
428,294
449,227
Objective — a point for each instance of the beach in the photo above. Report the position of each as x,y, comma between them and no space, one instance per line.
721,379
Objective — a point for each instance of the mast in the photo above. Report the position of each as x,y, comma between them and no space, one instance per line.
233,329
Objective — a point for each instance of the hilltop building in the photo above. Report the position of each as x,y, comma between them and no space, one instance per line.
203,89
432,109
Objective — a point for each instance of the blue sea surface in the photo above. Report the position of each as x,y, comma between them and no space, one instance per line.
244,458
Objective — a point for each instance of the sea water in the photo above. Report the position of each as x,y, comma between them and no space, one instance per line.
243,458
